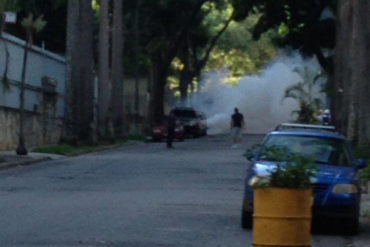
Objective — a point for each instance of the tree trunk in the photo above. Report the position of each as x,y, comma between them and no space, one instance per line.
159,73
104,83
352,71
79,124
361,68
70,124
117,99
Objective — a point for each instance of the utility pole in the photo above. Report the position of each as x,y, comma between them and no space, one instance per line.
30,26
137,53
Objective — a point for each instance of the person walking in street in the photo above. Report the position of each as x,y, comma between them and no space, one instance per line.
171,125
236,126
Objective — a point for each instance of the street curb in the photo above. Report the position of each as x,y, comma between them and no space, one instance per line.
8,165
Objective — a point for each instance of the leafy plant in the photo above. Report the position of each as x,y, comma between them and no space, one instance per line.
291,170
365,174
303,93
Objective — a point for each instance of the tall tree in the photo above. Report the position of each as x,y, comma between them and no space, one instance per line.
166,29
79,120
103,68
117,109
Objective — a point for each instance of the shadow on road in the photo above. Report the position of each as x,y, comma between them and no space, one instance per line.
338,227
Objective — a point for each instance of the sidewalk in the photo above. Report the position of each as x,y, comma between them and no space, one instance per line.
11,159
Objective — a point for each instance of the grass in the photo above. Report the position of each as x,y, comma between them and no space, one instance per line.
70,150
64,149
363,152
136,137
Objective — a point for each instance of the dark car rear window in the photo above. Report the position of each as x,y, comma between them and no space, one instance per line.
184,113
324,150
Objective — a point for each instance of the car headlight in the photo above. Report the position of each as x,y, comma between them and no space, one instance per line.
345,189
258,180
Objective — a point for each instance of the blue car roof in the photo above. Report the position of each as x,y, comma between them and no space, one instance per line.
308,132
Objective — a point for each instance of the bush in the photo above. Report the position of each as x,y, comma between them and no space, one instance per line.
62,149
363,152
67,149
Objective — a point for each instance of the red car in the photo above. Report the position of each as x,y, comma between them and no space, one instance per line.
159,133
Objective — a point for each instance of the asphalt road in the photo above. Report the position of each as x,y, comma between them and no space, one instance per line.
143,195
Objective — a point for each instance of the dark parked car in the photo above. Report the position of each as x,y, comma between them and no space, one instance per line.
336,187
159,132
194,122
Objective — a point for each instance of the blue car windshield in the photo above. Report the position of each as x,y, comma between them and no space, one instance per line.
323,150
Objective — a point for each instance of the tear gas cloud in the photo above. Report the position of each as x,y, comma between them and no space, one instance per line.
258,97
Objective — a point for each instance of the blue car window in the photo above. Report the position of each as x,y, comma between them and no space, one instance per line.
324,150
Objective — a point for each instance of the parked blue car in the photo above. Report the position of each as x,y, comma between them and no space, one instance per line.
336,187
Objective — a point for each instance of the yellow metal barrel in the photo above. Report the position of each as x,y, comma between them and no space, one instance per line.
282,217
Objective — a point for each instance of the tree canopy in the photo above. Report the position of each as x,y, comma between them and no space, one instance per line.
304,25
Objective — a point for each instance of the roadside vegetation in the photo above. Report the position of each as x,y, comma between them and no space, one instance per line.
71,150
363,152
366,213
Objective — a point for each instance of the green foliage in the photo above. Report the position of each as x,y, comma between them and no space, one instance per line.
366,213
303,25
365,173
303,93
237,51
363,152
291,170
2,159
136,137
36,25
299,22
62,149
70,150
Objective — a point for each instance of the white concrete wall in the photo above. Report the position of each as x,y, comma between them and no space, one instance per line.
43,116
40,63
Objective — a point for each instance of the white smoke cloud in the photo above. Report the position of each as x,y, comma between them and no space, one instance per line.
258,97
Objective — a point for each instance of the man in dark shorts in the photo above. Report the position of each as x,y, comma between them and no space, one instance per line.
236,125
